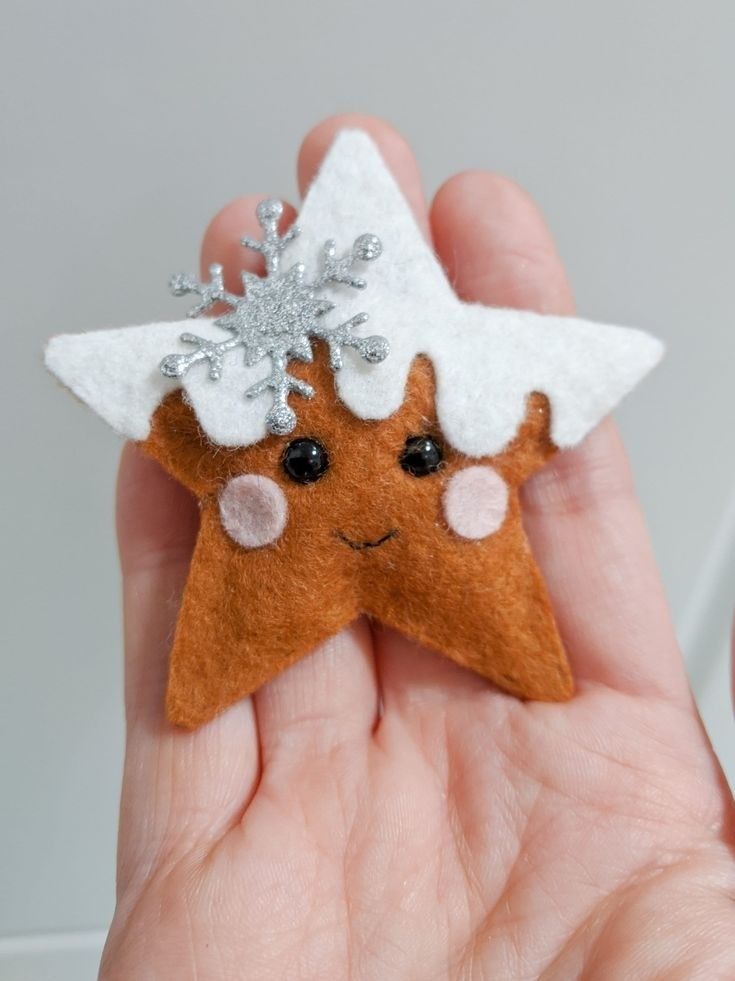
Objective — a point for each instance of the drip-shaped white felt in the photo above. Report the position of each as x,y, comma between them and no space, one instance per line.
475,502
487,360
253,509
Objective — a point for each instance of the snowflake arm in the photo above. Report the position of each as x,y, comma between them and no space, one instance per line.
339,270
373,349
280,418
176,365
212,292
272,245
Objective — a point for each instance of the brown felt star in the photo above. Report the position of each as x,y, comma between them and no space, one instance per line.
366,537
435,550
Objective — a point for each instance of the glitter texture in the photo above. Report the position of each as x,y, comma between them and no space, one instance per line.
278,316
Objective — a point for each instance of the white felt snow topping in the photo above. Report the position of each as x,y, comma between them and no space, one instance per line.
487,360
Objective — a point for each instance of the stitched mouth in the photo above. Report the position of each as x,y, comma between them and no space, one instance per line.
360,546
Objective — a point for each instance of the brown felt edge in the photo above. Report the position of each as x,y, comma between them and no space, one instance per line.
246,615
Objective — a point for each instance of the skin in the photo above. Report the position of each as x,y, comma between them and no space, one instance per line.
377,812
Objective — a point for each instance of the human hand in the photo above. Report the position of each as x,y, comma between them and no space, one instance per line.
376,812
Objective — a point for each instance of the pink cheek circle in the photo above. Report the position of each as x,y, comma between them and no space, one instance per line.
475,502
253,510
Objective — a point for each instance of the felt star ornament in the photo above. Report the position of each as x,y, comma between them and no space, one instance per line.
341,474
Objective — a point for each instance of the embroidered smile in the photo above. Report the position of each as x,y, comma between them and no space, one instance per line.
359,546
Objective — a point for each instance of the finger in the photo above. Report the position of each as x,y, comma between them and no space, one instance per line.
331,697
157,522
177,786
581,513
173,780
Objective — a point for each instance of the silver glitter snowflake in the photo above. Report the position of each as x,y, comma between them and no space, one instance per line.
278,316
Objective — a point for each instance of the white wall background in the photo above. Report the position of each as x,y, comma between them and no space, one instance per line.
125,125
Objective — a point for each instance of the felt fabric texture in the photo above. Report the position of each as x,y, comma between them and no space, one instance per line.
475,502
280,566
486,360
247,614
116,371
253,510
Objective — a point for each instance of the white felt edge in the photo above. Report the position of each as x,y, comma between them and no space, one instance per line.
584,369
487,360
116,372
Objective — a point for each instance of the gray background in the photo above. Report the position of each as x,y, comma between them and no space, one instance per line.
126,125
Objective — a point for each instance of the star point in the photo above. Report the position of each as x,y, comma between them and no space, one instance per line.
500,389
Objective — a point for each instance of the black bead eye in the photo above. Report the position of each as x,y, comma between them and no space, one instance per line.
305,460
421,456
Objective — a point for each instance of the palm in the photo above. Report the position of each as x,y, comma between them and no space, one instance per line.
376,812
